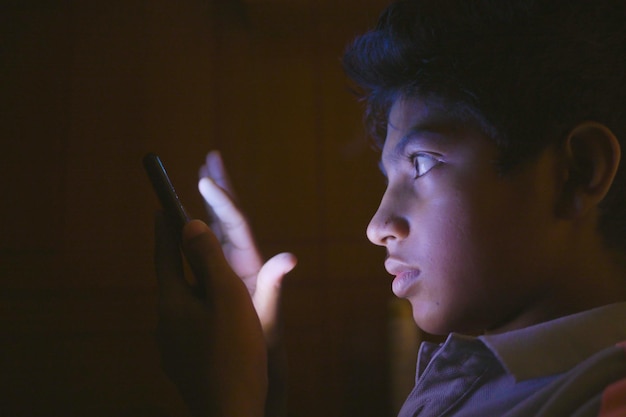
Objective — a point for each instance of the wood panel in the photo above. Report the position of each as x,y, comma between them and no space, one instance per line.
91,87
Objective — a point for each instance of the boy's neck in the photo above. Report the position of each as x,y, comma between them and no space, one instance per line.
591,278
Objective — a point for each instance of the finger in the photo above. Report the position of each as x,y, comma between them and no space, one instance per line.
273,271
233,223
213,167
268,291
167,259
204,172
217,171
205,256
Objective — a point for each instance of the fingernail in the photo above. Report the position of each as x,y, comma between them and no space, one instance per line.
215,155
194,228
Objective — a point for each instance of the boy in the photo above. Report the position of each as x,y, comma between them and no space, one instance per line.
500,125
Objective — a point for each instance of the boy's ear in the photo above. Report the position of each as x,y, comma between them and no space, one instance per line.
592,157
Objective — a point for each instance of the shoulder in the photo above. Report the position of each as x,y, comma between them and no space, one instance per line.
613,402
596,387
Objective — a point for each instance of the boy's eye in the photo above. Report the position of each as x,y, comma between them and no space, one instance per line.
423,162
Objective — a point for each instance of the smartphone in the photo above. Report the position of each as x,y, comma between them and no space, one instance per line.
165,190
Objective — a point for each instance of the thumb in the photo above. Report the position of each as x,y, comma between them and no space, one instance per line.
268,288
204,253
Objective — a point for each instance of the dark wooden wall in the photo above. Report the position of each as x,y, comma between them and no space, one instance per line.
88,87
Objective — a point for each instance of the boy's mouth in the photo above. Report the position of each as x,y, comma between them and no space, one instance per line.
405,277
403,283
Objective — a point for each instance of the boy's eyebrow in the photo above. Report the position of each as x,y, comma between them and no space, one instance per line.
437,127
433,131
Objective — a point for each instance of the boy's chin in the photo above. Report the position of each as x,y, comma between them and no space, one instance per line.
437,320
430,321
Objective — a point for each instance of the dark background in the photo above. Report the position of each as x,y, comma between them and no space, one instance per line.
87,88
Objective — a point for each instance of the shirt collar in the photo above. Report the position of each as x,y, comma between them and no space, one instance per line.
555,346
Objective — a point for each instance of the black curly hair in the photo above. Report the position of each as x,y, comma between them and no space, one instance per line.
526,71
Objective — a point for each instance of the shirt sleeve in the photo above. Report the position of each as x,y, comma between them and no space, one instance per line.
614,396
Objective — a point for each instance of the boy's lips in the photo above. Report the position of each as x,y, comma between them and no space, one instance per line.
405,277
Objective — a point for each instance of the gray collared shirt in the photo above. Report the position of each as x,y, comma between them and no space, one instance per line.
556,368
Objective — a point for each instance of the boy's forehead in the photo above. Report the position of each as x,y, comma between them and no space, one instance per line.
406,111
428,122
416,116
411,113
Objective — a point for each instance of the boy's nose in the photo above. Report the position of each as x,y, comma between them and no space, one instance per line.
386,227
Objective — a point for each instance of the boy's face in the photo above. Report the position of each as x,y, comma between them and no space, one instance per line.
469,248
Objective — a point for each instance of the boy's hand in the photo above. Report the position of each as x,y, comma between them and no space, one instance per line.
231,227
212,345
